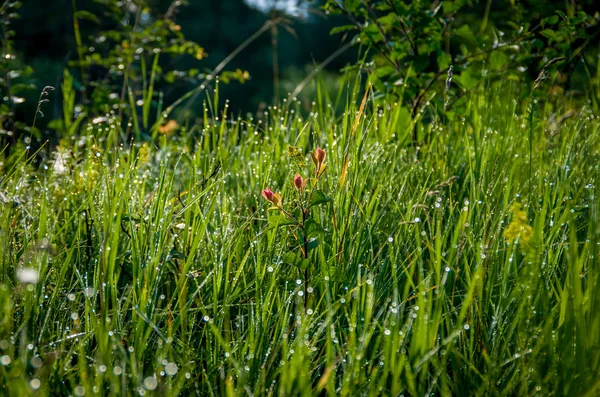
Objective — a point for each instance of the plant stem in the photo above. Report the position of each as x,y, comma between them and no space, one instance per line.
305,242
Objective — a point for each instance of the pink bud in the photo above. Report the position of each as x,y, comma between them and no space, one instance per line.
271,197
298,182
320,155
268,194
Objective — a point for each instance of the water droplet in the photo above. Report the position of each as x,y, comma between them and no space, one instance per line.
150,383
171,369
28,276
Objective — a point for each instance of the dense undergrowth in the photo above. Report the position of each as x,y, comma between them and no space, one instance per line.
466,264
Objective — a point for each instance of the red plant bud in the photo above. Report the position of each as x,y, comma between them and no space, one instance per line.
268,194
271,197
320,155
298,182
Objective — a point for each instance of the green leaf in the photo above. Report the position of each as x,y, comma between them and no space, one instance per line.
341,29
313,229
465,33
174,254
498,60
276,219
82,14
210,227
450,7
421,62
444,60
351,5
292,258
333,273
467,79
549,33
553,20
313,243
562,15
318,197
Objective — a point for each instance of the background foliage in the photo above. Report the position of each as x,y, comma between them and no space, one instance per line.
87,36
426,51
419,52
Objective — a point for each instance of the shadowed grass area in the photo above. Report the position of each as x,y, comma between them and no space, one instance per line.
466,265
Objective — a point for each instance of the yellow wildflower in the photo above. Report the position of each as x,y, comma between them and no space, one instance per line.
518,229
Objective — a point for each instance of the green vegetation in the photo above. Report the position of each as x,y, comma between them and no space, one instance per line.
405,230
132,267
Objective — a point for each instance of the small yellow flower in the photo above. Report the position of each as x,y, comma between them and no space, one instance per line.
518,229
144,154
295,154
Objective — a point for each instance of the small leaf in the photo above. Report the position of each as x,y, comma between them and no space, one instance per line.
318,197
322,169
277,220
351,5
304,264
466,33
340,29
333,273
498,60
549,33
82,14
174,254
562,14
467,79
553,20
312,228
313,243
292,258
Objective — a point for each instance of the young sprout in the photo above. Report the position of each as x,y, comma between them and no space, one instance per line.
299,183
320,155
318,158
274,198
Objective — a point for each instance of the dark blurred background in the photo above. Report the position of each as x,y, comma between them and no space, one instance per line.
45,40
90,39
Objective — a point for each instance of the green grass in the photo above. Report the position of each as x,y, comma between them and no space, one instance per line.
160,273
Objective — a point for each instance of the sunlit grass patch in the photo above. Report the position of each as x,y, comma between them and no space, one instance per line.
461,264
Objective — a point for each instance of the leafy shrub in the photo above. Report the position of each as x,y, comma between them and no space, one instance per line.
424,51
121,67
